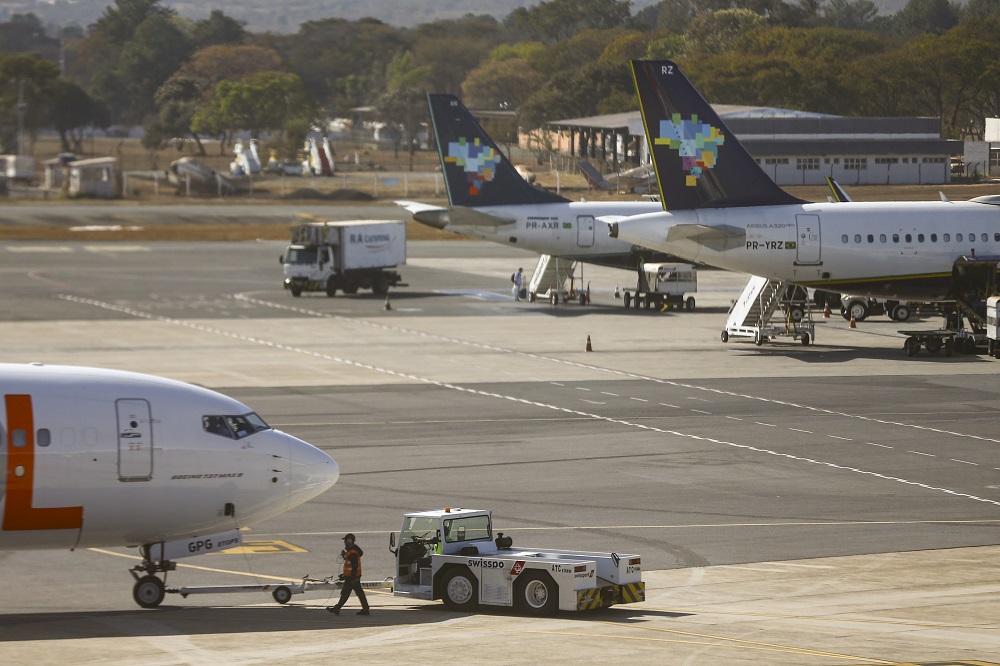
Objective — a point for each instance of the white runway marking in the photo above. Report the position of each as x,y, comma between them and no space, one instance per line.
346,361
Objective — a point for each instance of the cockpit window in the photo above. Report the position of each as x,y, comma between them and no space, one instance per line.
234,427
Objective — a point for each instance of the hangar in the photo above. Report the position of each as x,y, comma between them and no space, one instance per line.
793,147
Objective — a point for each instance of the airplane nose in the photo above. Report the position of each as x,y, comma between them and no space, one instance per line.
312,472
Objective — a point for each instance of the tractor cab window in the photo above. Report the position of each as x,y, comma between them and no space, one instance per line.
421,527
234,427
472,528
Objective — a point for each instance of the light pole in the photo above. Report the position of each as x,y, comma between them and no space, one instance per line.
22,108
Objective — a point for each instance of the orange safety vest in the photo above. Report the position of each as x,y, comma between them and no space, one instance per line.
348,566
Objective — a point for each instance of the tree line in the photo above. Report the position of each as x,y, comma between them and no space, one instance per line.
142,64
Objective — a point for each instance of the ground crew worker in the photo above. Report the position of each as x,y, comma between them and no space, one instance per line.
351,577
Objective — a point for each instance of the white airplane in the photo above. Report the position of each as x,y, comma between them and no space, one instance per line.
491,201
721,209
97,457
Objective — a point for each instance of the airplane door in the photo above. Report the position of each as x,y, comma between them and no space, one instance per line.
585,230
135,440
807,246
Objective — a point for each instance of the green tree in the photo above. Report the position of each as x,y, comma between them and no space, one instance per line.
154,53
29,77
557,20
717,32
25,33
404,109
71,110
925,16
119,22
263,102
850,14
503,84
218,29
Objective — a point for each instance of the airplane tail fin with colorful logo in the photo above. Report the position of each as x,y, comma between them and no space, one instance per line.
698,162
476,172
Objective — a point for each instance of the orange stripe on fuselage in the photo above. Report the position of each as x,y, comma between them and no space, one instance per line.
18,514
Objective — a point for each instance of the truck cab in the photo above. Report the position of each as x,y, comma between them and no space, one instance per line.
452,554
306,267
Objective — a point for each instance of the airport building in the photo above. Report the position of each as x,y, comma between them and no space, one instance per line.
793,147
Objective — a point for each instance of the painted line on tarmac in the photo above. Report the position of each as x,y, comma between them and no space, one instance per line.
596,368
489,394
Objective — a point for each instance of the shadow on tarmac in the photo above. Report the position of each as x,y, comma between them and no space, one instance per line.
200,620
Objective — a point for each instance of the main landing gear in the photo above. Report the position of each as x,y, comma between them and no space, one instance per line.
149,590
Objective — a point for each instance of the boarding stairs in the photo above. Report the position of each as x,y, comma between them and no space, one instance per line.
752,313
550,278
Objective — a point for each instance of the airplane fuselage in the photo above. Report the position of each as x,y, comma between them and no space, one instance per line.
571,230
105,458
903,250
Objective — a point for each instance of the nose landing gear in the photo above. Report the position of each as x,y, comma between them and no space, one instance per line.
149,590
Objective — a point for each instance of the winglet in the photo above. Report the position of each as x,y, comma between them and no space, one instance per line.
699,163
476,172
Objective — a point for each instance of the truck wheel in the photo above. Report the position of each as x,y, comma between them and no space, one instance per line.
148,591
351,288
459,589
796,314
689,303
627,298
912,346
296,292
380,285
536,593
858,310
900,313
331,287
725,336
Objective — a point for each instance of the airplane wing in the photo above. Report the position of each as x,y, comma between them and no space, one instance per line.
432,216
718,238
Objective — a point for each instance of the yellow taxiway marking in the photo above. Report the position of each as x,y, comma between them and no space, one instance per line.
199,568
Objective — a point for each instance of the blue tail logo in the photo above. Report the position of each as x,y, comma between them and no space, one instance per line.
696,142
478,161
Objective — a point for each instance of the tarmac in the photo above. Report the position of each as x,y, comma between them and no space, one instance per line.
823,505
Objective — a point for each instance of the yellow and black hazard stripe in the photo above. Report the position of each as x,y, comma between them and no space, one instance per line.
631,593
600,597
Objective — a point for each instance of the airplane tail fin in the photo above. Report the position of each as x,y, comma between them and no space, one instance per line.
698,161
476,173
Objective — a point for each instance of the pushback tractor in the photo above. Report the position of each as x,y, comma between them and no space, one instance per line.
453,555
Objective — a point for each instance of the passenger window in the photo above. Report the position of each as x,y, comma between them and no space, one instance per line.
43,437
843,239
947,238
996,238
934,238
871,238
984,238
895,238
909,238
958,237
881,238
920,238
857,238
19,438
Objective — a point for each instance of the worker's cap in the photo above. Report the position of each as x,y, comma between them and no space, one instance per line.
349,537
519,270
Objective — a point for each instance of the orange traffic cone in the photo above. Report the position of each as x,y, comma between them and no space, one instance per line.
854,324
589,348
826,311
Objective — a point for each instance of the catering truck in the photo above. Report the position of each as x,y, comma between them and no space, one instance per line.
362,254
452,554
